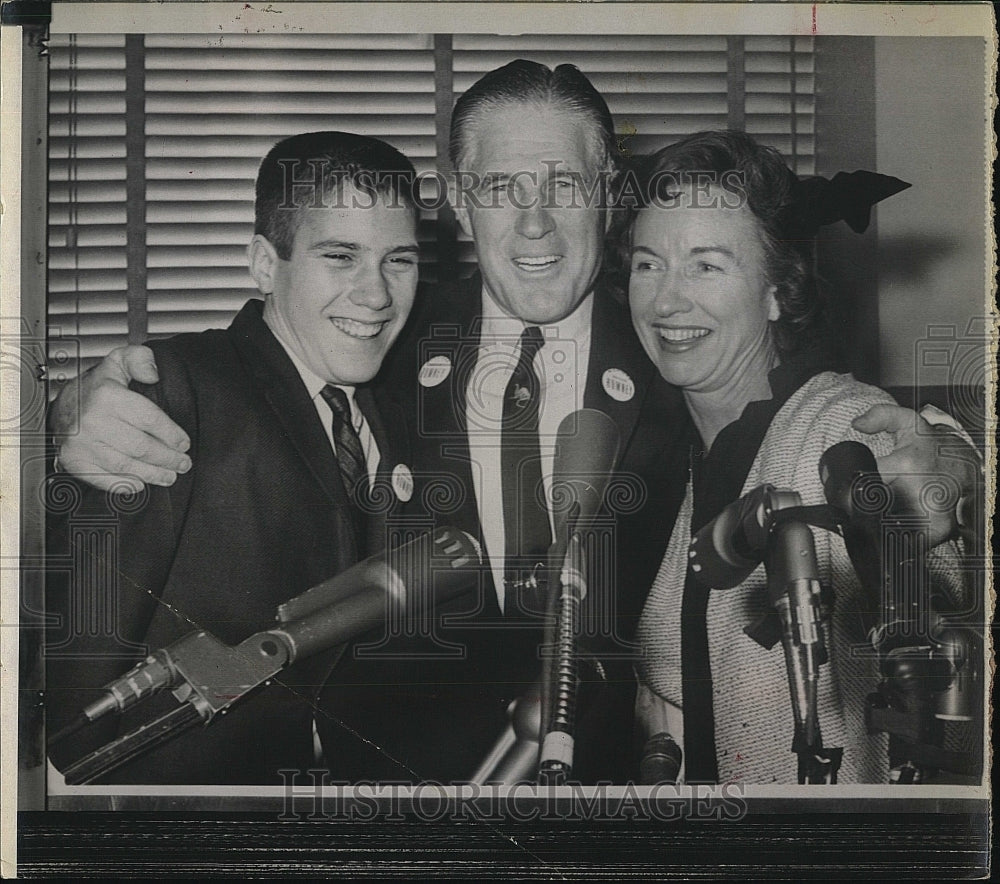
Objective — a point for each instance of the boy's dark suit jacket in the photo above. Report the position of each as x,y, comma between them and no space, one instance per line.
436,719
261,517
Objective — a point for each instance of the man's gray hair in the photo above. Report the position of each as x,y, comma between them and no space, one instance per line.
529,82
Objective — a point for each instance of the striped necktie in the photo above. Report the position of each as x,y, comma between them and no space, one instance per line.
350,454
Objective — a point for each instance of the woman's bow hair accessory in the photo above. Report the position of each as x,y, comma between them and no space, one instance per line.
848,196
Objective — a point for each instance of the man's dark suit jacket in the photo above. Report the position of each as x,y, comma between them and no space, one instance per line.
437,718
261,517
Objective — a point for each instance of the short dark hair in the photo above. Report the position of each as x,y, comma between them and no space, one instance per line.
524,81
319,164
762,180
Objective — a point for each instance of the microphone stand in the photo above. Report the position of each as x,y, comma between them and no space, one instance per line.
587,444
556,758
929,664
537,744
774,529
930,661
207,677
794,590
929,658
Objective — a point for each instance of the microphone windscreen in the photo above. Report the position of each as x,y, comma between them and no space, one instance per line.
839,470
410,580
445,550
661,760
718,555
587,445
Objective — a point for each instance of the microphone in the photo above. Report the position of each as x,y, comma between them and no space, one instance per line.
414,577
514,756
722,555
844,466
587,444
393,571
428,569
724,552
660,761
851,483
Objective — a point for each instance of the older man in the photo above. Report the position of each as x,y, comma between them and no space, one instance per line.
536,329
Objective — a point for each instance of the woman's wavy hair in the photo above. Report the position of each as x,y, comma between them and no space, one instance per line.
755,174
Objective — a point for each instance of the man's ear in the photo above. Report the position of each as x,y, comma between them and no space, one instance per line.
263,261
458,204
607,194
773,310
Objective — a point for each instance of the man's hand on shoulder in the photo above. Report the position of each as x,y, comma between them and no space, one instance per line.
112,437
933,470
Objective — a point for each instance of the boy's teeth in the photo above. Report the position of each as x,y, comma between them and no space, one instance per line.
679,335
358,329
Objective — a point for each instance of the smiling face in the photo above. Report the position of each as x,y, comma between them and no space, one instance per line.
342,297
538,234
699,295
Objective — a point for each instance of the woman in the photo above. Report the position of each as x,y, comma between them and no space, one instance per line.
725,303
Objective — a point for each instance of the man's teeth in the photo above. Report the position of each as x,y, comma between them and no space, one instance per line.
357,329
534,264
680,335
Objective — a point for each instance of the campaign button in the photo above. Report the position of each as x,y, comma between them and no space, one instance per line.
434,371
402,482
618,385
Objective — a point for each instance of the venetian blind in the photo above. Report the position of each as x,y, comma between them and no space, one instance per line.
211,106
87,230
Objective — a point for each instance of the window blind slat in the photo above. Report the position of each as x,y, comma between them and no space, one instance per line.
280,44
96,169
216,300
279,126
320,81
195,278
253,147
581,44
277,103
65,125
299,60
212,233
215,256
85,147
84,214
66,303
86,279
79,192
238,170
467,70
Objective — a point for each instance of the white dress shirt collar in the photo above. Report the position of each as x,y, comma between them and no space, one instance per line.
314,385
497,324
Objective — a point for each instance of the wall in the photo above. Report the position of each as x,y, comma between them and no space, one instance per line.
930,112
845,141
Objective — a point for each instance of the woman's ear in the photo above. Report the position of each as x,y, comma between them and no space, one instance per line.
773,310
263,260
